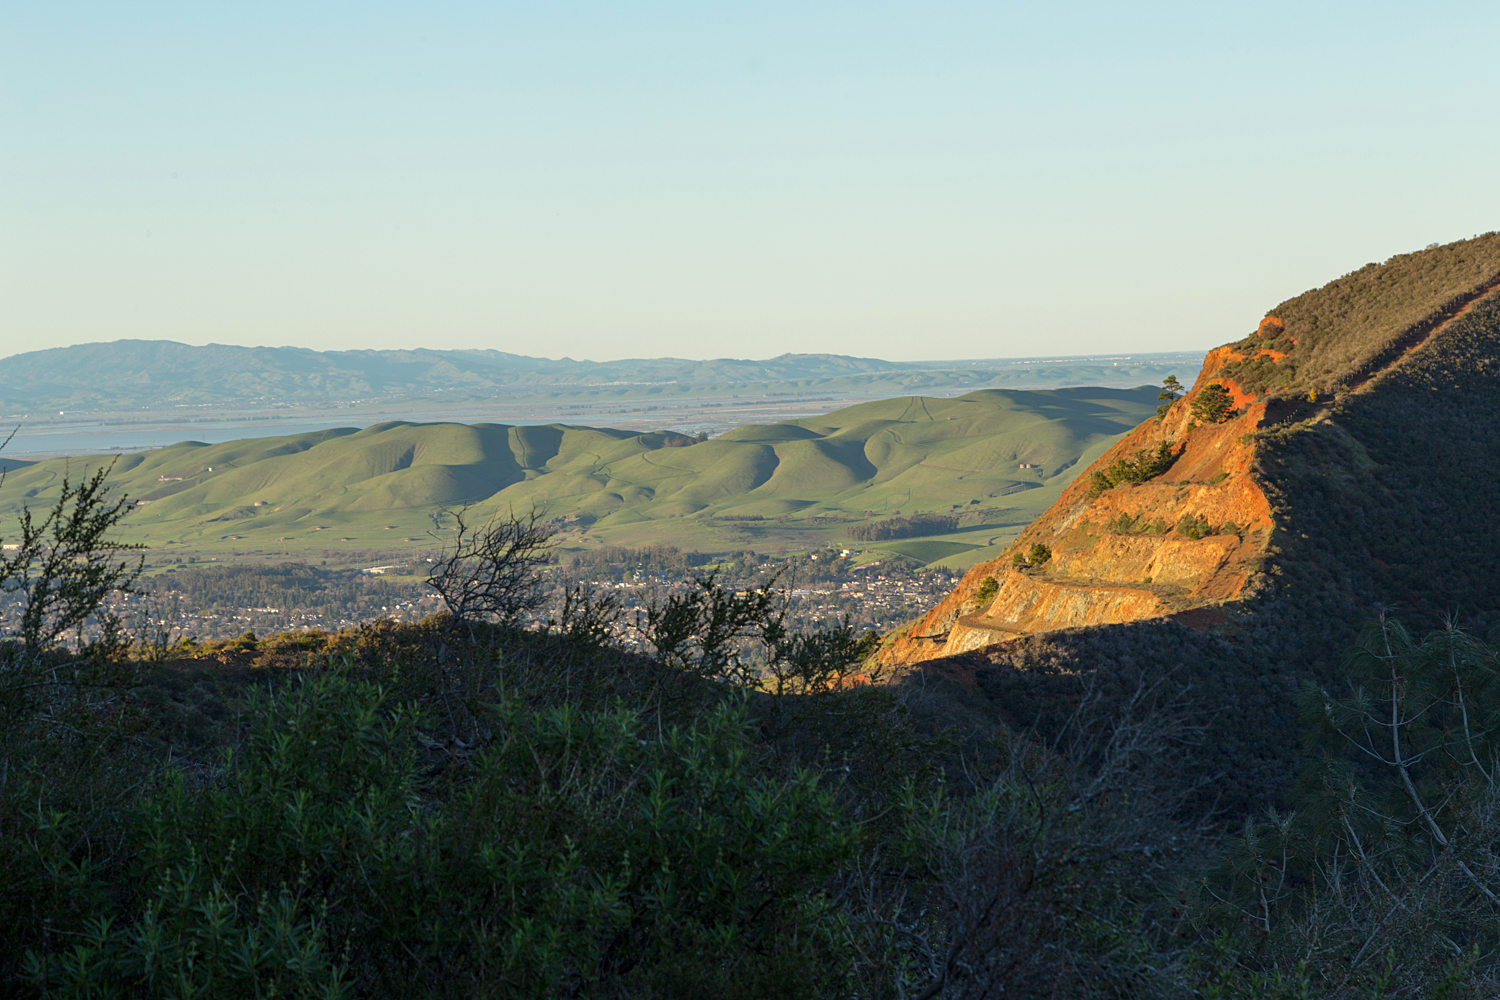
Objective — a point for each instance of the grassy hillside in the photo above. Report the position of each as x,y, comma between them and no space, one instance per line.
779,485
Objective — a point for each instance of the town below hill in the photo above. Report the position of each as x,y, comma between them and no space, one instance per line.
214,599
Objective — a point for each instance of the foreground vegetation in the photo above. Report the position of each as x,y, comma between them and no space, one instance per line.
471,806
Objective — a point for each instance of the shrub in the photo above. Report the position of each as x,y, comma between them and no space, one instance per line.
246,643
1138,468
988,588
1039,554
565,849
491,574
64,566
1213,404
1193,528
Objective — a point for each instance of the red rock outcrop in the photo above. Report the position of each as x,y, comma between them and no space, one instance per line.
1193,540
1120,556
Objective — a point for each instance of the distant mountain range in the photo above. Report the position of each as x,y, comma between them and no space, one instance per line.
151,374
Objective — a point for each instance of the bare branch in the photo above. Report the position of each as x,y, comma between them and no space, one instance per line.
493,573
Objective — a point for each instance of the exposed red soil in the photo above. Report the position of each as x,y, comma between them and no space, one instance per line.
1101,576
1106,566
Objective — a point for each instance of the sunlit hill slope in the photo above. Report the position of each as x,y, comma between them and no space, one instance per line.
1357,470
996,456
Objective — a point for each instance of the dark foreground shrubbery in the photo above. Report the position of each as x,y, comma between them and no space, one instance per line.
464,808
531,815
506,814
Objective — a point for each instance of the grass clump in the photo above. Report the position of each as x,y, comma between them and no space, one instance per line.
1137,524
1037,555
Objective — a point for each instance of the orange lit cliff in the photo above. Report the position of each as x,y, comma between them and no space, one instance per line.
1192,541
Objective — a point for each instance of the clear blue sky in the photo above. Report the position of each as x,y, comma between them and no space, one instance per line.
604,180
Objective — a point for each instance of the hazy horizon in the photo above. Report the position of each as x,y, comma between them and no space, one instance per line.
1106,355
957,181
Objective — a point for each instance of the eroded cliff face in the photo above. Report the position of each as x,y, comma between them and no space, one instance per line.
1395,358
1361,477
1191,538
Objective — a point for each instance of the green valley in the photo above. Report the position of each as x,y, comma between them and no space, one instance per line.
987,463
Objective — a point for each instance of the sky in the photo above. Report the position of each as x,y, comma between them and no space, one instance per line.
606,180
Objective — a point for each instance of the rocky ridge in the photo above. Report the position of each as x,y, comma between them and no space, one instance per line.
1223,523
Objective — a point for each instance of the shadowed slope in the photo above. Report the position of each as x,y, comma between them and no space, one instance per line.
1351,489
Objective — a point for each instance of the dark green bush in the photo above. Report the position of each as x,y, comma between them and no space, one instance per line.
902,527
1143,465
1213,404
570,848
1193,528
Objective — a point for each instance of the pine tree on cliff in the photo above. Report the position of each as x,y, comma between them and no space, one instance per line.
1171,391
1214,404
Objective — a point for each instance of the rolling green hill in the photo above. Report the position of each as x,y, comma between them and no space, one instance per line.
781,485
